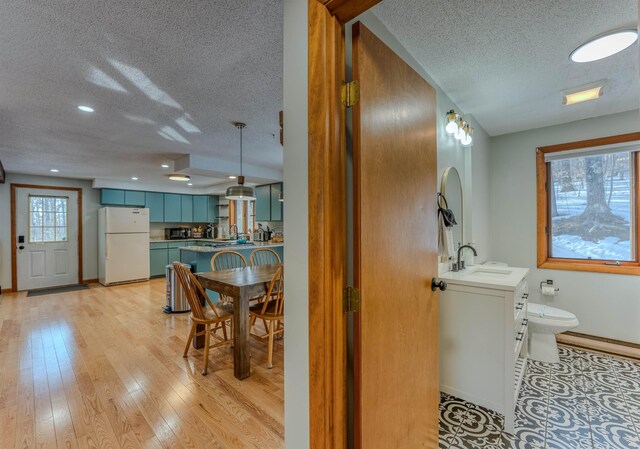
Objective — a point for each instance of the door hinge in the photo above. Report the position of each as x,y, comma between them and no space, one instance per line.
350,299
350,93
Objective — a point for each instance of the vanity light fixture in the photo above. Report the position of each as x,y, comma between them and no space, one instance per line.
240,192
451,122
179,177
583,95
460,132
605,45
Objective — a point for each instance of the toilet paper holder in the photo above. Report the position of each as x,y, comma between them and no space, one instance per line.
548,283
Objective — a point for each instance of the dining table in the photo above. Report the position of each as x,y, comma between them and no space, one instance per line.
242,284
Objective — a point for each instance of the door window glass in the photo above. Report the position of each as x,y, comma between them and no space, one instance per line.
48,218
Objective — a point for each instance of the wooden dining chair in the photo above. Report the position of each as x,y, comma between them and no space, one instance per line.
271,312
226,260
264,256
212,316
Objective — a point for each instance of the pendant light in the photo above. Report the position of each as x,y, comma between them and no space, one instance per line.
240,192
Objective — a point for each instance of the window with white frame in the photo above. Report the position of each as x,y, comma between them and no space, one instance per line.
48,217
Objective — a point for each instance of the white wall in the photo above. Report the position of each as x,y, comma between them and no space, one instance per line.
90,205
607,305
296,254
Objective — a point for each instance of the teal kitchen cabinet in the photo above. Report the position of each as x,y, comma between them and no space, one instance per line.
187,208
212,211
112,197
200,208
134,198
154,201
263,203
276,204
172,208
158,261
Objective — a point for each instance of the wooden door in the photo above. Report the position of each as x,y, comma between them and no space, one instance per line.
395,175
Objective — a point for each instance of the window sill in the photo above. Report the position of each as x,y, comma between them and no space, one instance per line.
593,267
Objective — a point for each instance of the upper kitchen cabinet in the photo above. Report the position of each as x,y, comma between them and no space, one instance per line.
187,208
268,204
134,198
263,203
154,201
200,208
276,204
172,208
112,197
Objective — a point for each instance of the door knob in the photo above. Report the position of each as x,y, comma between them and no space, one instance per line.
21,247
435,284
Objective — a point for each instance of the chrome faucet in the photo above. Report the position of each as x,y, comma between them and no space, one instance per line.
235,234
460,264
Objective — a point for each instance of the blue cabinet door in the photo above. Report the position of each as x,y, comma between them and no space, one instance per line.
112,197
172,208
159,260
174,255
263,203
187,208
154,201
200,208
212,212
276,204
134,198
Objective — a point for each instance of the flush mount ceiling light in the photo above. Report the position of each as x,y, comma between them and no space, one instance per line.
164,166
604,46
583,95
451,122
179,177
240,192
134,178
84,108
190,184
54,170
232,177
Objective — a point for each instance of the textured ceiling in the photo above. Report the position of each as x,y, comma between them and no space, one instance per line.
507,62
166,78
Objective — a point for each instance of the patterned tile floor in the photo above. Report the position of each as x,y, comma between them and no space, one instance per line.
588,400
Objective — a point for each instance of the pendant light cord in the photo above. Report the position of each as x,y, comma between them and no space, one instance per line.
241,151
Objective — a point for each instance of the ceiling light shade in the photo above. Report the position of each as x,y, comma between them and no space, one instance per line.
179,177
451,120
84,108
240,192
604,46
584,95
460,132
467,139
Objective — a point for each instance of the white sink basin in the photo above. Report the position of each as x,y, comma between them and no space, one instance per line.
502,278
490,272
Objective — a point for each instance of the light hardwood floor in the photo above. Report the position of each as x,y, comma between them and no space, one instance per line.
103,368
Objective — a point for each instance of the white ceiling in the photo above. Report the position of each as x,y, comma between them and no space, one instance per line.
187,70
168,78
507,62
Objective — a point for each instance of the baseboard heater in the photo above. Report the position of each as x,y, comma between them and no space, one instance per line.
600,344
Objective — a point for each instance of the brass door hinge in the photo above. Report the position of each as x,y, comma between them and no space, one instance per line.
350,299
350,93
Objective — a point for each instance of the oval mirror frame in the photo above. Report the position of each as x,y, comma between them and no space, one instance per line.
450,175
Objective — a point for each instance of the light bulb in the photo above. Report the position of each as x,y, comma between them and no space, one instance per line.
452,125
467,139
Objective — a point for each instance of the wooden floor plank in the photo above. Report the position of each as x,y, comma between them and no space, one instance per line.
103,368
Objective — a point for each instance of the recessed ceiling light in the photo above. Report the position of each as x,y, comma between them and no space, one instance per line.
190,184
584,95
84,108
179,177
54,170
164,166
603,46
133,178
232,177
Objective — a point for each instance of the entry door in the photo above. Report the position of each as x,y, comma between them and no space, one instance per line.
47,224
395,254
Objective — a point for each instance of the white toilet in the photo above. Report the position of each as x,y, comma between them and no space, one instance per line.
544,323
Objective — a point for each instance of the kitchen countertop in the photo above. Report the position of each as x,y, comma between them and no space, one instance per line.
211,249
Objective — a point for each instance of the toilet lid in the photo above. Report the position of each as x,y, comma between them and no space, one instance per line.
549,313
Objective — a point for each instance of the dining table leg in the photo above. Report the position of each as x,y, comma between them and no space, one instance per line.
241,356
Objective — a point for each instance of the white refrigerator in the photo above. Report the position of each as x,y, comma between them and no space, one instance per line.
123,247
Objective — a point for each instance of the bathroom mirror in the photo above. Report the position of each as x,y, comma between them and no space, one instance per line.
451,189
